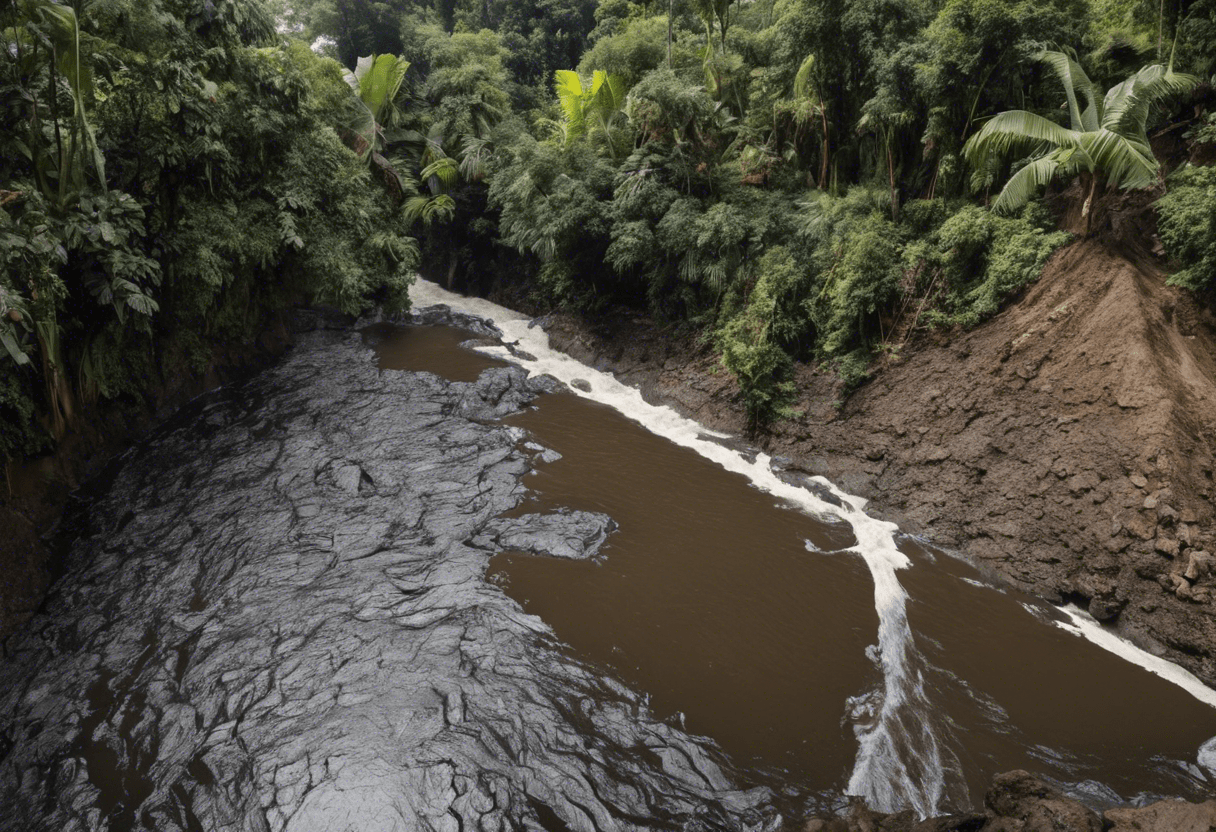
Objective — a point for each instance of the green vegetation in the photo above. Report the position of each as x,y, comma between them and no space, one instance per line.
1187,224
173,173
803,180
1108,140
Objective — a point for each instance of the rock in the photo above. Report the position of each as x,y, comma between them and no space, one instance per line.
581,384
304,638
1140,526
1106,608
1199,565
1018,796
970,822
1207,757
576,535
441,314
545,383
1166,546
1138,480
498,392
1164,816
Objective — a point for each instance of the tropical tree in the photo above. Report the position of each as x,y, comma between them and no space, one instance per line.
376,82
592,108
1107,140
807,105
711,11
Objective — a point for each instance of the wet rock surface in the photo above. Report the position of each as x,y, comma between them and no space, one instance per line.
1019,802
577,535
276,618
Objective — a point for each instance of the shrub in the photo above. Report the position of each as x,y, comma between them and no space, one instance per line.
985,259
1187,225
754,341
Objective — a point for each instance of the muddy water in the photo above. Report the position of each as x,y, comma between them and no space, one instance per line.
747,620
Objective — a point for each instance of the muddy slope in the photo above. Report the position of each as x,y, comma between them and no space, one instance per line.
1067,444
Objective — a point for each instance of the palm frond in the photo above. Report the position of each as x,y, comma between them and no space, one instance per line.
429,209
803,87
441,174
1025,185
473,157
1015,131
569,88
1127,162
1074,80
381,82
1128,104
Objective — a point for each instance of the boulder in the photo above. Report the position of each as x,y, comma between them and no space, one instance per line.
1165,816
1019,796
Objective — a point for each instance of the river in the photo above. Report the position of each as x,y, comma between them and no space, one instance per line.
349,594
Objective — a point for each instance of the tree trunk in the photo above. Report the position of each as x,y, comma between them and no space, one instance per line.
891,175
671,5
823,114
1087,208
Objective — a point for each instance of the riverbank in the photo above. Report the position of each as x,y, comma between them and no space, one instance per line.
1066,446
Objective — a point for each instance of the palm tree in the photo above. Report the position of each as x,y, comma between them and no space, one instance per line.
589,109
809,104
376,83
1107,140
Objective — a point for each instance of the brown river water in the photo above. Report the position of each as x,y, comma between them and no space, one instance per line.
709,599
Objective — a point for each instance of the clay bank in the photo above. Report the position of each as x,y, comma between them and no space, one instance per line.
458,596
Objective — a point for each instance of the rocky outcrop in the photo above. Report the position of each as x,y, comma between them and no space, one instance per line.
1166,816
275,617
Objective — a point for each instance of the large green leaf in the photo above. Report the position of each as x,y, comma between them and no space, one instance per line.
1128,104
1026,184
1126,161
804,80
569,88
1016,132
1075,81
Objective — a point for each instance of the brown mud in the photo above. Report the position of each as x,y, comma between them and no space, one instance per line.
1066,446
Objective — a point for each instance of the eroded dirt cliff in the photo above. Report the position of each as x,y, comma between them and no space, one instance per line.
1067,444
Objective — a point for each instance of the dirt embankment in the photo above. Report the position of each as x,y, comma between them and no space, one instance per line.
1067,444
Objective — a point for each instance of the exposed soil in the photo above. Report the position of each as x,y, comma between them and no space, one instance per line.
1066,445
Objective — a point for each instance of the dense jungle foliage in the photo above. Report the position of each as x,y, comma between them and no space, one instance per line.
172,172
802,180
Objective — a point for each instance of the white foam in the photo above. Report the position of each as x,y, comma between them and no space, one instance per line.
1082,624
883,774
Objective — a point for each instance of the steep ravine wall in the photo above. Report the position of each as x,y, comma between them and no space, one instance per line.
1066,446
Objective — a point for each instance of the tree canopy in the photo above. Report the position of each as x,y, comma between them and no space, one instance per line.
800,179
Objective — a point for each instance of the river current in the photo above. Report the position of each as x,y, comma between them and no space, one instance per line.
395,583
765,609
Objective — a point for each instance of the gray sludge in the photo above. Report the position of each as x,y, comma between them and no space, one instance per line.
278,620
